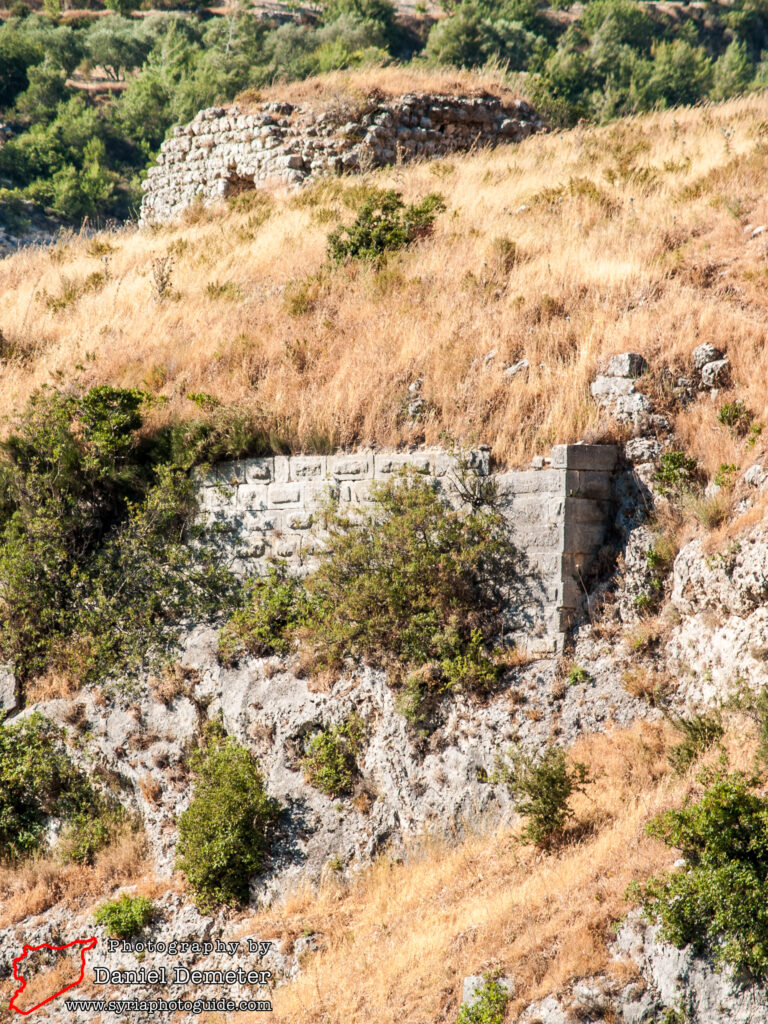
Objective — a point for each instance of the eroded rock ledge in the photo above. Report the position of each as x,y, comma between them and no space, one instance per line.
223,151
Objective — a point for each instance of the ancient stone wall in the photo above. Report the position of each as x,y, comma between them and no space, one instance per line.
222,152
558,513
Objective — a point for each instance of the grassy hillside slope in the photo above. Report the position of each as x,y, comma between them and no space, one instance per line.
561,251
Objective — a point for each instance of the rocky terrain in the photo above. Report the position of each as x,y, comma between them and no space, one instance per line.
671,604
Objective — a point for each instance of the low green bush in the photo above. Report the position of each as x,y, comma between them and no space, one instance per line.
736,416
276,606
330,759
717,902
38,781
125,916
542,788
383,224
407,582
224,835
578,674
676,470
489,1006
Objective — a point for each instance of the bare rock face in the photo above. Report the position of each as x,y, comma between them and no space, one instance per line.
223,152
615,390
723,633
681,979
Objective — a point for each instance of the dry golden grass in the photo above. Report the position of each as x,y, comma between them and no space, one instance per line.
36,884
628,237
399,940
351,85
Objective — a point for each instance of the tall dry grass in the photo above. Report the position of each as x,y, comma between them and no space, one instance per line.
627,237
32,886
396,945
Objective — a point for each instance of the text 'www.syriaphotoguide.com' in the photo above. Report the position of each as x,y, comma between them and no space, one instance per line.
166,1005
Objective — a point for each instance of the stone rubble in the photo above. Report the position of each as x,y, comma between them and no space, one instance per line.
223,152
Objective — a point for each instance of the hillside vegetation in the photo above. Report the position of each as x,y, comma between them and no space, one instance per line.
561,251
87,96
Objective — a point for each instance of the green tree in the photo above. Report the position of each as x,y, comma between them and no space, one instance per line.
45,90
38,781
734,72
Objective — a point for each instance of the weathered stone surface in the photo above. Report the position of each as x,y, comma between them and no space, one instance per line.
704,354
223,152
9,693
642,449
716,374
681,978
628,364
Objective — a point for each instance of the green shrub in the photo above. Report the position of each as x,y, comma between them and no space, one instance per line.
224,834
676,470
718,901
412,581
383,224
125,916
542,786
276,606
489,1006
38,781
725,475
700,732
736,416
330,759
578,674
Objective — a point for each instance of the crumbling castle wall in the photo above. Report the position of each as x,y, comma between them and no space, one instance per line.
223,151
558,514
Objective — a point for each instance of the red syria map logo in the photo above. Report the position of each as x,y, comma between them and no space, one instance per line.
84,944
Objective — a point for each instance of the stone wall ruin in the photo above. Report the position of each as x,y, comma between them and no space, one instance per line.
223,151
558,513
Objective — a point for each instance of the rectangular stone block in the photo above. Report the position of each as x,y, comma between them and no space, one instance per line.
232,472
259,470
317,493
530,481
351,467
528,535
588,484
582,537
285,546
308,467
572,594
204,477
253,546
583,510
386,464
213,499
600,457
300,521
443,464
359,491
252,497
282,469
284,494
